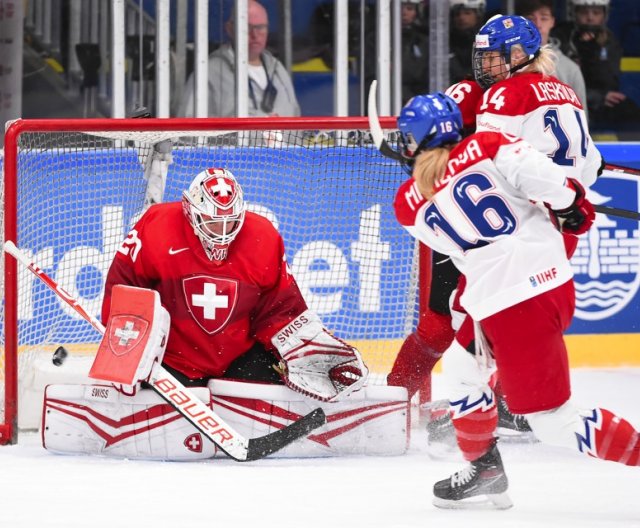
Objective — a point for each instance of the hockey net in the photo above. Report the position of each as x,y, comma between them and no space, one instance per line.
73,188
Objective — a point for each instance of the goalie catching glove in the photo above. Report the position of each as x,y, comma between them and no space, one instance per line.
316,363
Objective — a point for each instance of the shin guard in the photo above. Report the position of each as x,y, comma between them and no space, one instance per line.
609,437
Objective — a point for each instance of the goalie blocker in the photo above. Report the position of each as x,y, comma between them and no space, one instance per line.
101,420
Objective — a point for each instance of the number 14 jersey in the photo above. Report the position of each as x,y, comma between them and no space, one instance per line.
548,114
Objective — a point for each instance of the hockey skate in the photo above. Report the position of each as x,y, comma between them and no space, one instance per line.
512,426
481,485
441,436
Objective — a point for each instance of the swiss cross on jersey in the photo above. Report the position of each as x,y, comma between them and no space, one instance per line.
211,300
221,190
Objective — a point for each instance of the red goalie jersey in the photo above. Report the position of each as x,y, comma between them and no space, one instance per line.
219,309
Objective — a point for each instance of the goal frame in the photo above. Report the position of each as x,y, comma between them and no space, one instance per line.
9,427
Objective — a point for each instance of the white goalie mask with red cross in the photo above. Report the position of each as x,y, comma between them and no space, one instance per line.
215,208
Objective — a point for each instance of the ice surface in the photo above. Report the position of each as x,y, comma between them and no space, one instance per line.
549,487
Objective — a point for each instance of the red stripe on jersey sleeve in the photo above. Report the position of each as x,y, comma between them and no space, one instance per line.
407,202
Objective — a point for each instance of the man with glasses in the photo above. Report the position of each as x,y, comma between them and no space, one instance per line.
271,91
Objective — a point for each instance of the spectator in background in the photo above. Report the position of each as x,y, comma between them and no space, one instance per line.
540,12
598,52
467,17
271,90
415,52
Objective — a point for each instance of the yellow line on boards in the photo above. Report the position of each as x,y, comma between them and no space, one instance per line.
592,350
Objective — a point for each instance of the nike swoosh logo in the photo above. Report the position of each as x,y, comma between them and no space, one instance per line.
176,251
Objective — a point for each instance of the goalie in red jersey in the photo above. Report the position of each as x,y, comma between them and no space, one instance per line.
236,311
240,335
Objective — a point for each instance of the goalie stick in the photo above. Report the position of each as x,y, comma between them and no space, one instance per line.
182,400
386,150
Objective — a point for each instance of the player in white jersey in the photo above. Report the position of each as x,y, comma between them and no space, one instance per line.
477,201
522,98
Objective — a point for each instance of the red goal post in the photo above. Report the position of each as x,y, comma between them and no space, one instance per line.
73,188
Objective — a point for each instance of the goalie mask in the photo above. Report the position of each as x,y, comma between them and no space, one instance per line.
492,50
214,206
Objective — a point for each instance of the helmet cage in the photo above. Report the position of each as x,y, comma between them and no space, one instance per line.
429,121
501,34
573,4
214,206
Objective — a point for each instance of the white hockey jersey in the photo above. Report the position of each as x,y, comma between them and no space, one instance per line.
482,216
548,114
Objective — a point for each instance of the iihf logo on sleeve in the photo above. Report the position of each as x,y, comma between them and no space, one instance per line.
606,263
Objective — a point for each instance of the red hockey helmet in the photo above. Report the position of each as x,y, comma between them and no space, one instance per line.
214,206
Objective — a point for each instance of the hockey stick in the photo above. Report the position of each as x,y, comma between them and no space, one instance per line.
614,211
376,130
624,170
182,400
386,150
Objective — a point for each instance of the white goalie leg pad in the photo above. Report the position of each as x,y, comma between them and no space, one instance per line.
316,363
100,420
38,372
373,421
466,381
558,426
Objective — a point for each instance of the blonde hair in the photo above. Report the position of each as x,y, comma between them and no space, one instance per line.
429,169
544,63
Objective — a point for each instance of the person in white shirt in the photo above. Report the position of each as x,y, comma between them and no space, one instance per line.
271,91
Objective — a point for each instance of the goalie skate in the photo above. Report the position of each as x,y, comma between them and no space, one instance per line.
481,485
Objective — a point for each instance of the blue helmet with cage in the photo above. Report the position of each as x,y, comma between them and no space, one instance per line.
500,34
429,121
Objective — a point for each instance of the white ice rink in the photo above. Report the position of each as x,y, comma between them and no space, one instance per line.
549,487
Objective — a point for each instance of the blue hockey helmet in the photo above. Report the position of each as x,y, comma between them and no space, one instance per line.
500,34
429,121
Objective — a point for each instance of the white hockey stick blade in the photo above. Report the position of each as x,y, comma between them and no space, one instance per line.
376,129
189,406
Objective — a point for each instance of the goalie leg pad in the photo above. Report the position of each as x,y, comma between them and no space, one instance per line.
100,420
373,421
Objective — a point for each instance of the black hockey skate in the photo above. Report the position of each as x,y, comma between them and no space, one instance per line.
512,426
441,436
482,484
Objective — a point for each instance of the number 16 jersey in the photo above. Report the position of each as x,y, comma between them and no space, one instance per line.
482,216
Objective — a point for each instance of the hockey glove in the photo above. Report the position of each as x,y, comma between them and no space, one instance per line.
579,216
316,363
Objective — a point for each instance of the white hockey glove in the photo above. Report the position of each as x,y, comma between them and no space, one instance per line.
316,363
134,340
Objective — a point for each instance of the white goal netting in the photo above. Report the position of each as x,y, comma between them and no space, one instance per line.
327,189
